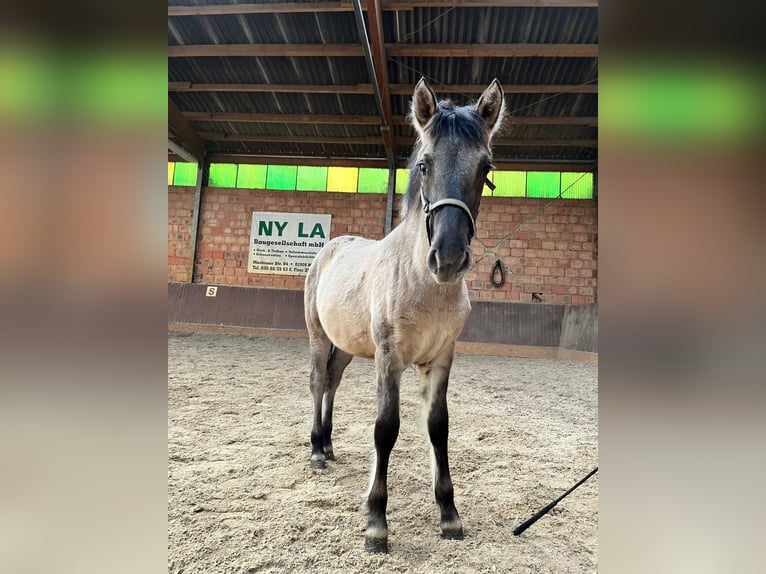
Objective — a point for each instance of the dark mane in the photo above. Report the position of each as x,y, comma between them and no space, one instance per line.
458,123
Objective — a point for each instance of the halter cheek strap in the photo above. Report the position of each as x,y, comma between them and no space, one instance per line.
429,208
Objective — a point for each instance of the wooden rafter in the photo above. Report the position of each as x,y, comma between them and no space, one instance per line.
390,5
411,4
364,140
378,48
186,136
376,140
365,89
494,50
337,119
264,50
395,50
520,165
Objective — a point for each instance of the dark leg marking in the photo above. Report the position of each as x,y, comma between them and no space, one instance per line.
336,365
386,433
438,431
320,350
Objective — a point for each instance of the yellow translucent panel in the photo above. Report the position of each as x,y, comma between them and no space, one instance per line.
342,179
171,169
402,180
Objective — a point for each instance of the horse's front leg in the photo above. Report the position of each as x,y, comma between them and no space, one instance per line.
436,377
389,370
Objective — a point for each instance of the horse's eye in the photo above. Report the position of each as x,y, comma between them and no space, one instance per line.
423,168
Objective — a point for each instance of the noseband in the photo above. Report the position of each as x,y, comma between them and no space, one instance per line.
429,208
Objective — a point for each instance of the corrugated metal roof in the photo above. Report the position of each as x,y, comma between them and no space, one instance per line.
447,26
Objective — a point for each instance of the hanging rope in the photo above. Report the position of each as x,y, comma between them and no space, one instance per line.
498,267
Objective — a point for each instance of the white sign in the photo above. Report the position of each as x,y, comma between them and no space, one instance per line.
286,243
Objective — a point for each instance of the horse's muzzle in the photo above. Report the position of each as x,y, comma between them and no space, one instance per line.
448,267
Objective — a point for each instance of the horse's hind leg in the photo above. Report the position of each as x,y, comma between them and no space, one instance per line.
436,376
336,364
320,347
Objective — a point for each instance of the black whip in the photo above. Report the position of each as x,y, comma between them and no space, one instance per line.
523,526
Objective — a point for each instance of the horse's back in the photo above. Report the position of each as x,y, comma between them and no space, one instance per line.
337,295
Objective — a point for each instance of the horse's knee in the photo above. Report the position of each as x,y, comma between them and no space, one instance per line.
386,432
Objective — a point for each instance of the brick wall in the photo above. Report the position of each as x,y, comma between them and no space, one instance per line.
180,207
547,247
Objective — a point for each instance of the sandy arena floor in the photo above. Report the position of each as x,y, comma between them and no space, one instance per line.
242,499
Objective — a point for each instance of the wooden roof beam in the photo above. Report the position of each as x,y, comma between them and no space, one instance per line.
510,165
375,140
273,8
366,89
378,48
316,161
494,50
337,119
188,138
525,142
406,89
389,5
325,119
220,136
272,88
264,50
412,4
395,50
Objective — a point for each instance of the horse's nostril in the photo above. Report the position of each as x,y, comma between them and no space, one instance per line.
432,261
466,262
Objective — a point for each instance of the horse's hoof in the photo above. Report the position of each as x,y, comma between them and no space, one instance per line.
452,530
318,464
453,534
376,545
329,455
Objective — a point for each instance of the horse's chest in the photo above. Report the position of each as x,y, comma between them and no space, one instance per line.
424,337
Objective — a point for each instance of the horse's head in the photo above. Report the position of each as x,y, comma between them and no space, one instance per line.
451,163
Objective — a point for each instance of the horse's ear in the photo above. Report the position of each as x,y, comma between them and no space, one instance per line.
423,105
491,105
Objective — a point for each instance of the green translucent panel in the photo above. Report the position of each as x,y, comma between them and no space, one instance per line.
402,180
171,169
185,174
510,184
342,179
222,175
312,178
281,177
372,180
251,176
543,183
576,185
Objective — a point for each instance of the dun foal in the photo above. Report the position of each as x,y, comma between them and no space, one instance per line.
402,300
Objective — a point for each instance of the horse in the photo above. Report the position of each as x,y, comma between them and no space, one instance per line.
402,300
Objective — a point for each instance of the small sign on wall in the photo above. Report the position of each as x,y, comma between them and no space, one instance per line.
286,243
211,292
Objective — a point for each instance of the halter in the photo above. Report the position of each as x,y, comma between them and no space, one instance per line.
429,208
